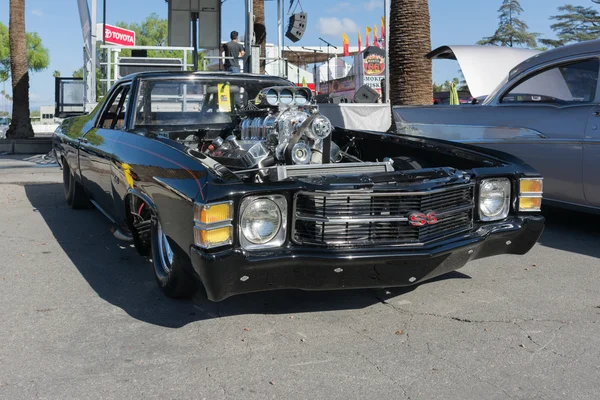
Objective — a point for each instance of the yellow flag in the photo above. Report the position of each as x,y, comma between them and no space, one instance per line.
224,94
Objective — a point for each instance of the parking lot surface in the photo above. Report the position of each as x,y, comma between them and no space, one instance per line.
81,317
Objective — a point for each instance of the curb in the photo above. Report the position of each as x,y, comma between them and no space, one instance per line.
26,146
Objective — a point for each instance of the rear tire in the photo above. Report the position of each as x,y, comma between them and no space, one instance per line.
75,195
170,265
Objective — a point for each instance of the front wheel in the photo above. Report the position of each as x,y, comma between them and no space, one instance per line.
170,265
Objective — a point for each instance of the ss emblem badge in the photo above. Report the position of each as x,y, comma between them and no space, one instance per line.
422,219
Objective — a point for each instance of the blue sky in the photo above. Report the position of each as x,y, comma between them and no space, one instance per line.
452,22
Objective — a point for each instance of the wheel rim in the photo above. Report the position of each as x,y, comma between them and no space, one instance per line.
166,253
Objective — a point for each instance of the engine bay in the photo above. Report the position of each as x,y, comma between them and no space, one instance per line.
281,134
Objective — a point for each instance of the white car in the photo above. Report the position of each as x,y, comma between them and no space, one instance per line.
4,124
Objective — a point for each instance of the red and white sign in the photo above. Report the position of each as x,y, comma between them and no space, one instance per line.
116,35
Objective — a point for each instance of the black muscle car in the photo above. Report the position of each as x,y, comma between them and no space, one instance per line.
236,183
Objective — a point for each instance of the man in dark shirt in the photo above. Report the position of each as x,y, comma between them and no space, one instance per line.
235,50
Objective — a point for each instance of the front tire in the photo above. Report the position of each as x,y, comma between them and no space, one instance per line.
75,195
170,265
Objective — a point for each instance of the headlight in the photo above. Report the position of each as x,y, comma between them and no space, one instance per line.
494,199
263,222
212,224
530,194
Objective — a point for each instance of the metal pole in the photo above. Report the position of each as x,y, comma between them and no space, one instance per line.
249,36
195,40
279,37
386,15
104,23
94,55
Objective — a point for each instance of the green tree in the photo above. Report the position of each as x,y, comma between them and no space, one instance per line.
56,74
575,24
154,31
445,87
512,31
79,74
26,52
37,55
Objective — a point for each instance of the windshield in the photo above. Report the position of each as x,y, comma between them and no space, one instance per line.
3,121
491,96
177,102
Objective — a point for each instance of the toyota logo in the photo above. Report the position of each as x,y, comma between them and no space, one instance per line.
422,218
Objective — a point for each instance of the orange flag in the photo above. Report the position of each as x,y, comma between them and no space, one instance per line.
375,38
346,42
359,43
383,27
368,30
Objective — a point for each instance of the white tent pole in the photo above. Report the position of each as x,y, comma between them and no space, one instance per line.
94,55
386,17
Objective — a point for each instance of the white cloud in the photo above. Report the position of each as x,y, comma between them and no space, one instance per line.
373,4
38,12
336,26
341,6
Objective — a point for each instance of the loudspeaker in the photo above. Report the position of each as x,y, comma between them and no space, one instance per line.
322,98
296,27
139,53
338,99
366,95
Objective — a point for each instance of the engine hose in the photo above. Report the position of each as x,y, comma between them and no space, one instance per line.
296,138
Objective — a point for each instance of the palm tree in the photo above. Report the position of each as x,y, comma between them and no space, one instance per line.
20,126
260,30
410,41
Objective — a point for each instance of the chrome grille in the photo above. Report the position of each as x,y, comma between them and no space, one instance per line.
336,219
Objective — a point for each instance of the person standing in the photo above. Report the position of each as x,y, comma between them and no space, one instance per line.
234,50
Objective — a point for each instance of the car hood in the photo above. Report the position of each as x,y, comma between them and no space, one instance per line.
484,67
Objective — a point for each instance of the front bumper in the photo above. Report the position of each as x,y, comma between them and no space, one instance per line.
236,271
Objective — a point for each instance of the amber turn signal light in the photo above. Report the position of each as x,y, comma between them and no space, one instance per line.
531,186
212,213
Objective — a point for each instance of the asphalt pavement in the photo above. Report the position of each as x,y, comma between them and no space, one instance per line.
82,318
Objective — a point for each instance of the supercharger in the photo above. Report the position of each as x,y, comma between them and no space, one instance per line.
290,131
293,135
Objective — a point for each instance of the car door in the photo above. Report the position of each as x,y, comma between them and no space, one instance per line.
591,157
96,149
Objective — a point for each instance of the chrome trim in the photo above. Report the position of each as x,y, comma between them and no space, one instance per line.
370,194
531,195
283,172
213,225
279,238
173,190
200,226
102,211
509,197
166,253
375,218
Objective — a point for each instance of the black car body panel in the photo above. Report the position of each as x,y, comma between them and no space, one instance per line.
169,177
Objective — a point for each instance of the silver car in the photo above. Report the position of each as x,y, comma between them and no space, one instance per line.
546,112
4,124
